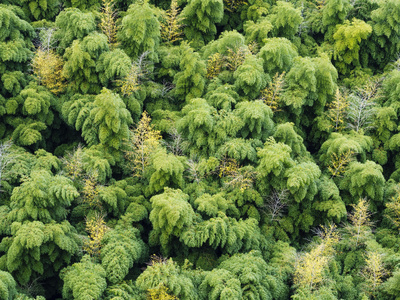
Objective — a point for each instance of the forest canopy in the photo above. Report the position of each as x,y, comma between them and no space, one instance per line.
199,149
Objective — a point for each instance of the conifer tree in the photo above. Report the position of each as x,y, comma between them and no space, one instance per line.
360,222
15,39
80,66
171,213
286,19
122,248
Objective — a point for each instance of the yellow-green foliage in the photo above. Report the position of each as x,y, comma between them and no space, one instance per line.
171,27
37,249
337,110
97,228
108,22
121,248
142,142
83,280
47,67
171,213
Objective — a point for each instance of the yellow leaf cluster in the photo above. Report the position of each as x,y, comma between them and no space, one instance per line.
130,83
143,141
160,293
233,5
108,22
90,192
236,176
337,110
233,60
97,228
373,272
171,26
311,266
360,220
214,65
73,164
236,57
47,68
339,163
271,95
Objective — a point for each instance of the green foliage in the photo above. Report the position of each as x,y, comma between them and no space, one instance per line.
42,197
168,273
112,65
334,12
257,31
7,286
348,37
121,249
338,144
37,249
110,119
80,65
15,39
257,119
73,24
221,284
166,171
250,77
204,128
257,279
285,19
363,180
171,213
39,9
140,30
189,81
83,280
277,55
310,81
200,17
385,23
